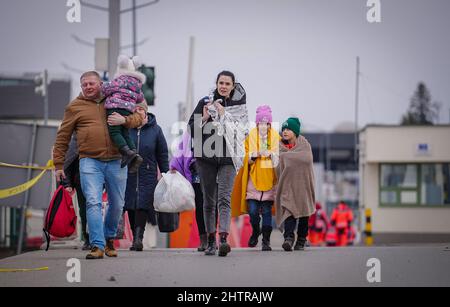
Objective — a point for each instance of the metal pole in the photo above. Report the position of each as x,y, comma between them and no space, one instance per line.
46,97
356,109
114,36
328,148
27,192
189,106
134,29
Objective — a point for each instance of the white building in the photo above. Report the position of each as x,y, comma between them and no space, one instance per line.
405,181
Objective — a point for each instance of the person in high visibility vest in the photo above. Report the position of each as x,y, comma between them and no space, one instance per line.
318,226
341,219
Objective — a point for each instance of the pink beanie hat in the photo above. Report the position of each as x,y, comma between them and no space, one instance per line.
264,114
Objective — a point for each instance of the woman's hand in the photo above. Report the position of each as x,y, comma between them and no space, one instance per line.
116,119
219,107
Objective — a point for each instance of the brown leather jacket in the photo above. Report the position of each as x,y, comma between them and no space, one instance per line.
88,119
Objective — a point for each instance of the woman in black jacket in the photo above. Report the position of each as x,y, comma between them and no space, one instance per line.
152,147
219,125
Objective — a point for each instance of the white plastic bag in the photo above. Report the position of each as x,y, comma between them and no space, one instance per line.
174,194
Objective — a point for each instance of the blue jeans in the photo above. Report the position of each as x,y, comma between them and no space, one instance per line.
254,209
94,174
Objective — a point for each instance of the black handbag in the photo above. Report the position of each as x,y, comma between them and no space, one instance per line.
168,222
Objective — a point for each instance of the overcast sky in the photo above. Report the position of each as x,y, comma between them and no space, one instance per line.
296,55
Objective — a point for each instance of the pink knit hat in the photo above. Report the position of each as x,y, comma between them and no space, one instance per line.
264,114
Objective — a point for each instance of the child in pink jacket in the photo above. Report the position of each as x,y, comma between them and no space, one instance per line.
261,148
122,94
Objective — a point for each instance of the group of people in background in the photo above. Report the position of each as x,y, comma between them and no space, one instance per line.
336,231
118,145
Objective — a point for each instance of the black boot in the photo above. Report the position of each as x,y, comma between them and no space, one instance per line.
131,158
253,241
127,155
288,243
300,244
134,165
133,248
266,232
138,245
224,247
203,242
211,248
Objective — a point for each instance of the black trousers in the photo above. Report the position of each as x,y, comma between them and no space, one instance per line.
137,218
82,207
289,227
199,208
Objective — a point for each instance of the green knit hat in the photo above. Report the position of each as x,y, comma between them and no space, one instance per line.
292,124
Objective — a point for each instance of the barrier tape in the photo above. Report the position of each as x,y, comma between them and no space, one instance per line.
23,270
24,166
5,193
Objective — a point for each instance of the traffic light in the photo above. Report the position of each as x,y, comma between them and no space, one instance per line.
148,86
41,82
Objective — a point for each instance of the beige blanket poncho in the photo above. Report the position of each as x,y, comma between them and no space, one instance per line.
295,193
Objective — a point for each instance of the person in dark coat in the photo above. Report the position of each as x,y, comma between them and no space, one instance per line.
72,181
152,147
219,125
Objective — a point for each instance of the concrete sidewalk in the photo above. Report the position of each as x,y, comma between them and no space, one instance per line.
400,266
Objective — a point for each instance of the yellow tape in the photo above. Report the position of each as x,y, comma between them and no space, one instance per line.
24,166
27,185
23,270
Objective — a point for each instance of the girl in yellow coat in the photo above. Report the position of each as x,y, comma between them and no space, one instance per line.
255,185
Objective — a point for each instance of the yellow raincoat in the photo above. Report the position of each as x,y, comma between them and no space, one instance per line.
262,172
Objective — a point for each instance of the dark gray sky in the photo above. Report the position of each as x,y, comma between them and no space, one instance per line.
296,55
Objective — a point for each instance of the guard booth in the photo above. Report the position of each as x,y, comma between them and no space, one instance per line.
405,181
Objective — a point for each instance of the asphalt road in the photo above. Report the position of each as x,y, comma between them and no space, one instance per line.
427,265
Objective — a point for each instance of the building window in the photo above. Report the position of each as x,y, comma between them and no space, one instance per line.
435,184
388,197
399,184
415,184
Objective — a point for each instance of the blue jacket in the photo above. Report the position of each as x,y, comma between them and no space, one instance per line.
152,146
